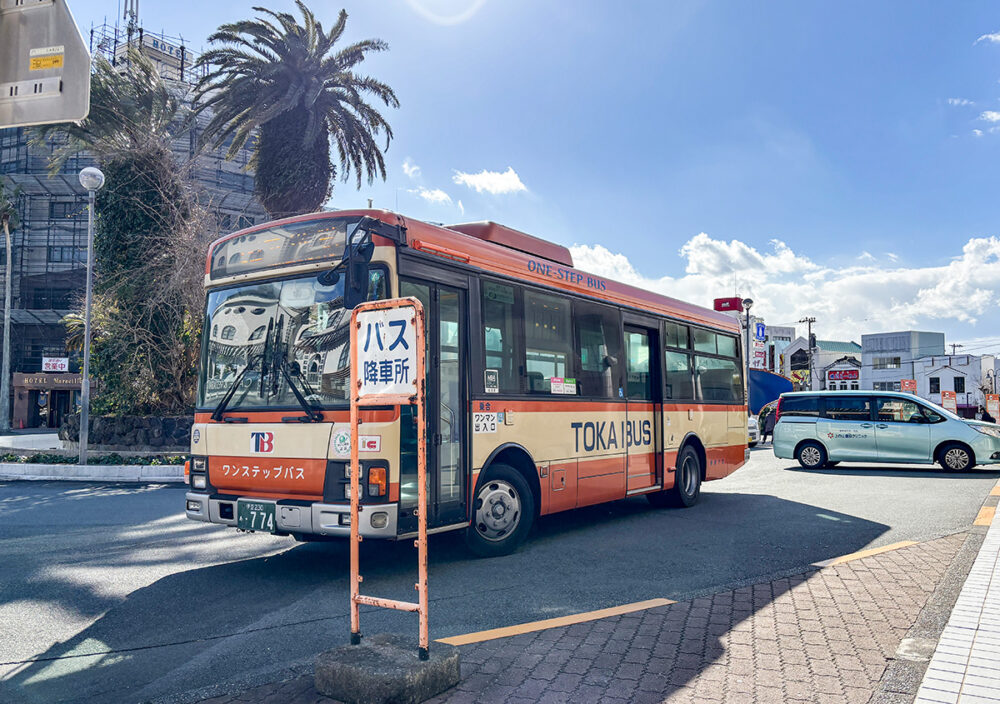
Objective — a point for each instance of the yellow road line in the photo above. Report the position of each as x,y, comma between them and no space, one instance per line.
996,491
985,516
863,553
533,626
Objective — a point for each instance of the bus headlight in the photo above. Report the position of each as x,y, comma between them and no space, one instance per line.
198,464
198,481
380,519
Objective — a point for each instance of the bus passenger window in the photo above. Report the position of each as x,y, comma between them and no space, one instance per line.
677,373
547,343
598,351
718,380
675,335
500,337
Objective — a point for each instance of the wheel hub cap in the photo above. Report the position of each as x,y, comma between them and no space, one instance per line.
956,459
498,510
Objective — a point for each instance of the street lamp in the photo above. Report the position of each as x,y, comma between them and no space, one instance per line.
747,305
92,179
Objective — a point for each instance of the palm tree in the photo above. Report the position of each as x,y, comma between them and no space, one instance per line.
281,84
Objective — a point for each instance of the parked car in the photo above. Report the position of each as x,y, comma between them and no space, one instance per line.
753,431
824,428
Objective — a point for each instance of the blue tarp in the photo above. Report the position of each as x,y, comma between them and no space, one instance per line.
765,387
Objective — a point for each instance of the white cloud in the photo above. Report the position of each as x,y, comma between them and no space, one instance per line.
978,133
492,182
848,301
990,115
866,256
410,169
960,101
461,207
993,38
893,257
431,195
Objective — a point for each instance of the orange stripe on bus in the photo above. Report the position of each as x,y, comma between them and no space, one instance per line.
388,415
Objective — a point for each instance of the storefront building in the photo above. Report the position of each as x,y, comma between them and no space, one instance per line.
42,400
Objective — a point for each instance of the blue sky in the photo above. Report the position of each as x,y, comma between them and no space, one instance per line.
829,159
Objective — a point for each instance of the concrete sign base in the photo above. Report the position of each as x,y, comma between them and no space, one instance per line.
385,668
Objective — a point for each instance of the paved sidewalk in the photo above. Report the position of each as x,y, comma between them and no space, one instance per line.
965,668
822,636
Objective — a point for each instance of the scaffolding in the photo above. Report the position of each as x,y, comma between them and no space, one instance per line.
49,246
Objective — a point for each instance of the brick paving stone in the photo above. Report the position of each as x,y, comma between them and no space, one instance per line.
821,636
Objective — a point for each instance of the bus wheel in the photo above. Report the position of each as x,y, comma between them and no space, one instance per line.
502,514
687,482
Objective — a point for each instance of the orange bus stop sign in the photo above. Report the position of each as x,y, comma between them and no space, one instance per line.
387,368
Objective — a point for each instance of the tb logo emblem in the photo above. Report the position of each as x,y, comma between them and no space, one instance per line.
261,442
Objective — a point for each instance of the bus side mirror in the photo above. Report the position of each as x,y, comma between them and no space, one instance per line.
356,274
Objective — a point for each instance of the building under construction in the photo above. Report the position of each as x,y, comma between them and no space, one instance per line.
50,245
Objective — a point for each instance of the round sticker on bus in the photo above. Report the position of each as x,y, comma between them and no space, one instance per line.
342,442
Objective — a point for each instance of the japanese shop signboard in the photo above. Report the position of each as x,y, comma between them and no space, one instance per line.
908,385
55,364
387,352
993,405
949,401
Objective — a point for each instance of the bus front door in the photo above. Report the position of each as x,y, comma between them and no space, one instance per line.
447,408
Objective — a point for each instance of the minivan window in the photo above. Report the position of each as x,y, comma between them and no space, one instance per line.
932,416
800,406
848,408
899,410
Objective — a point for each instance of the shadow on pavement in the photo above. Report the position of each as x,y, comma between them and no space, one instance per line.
245,620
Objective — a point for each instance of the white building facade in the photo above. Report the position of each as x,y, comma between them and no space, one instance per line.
889,357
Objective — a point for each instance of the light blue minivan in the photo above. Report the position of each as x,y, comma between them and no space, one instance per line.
824,428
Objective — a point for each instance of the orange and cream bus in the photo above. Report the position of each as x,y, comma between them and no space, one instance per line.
547,389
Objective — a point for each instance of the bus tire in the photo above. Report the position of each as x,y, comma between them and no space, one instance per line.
503,512
687,483
956,457
811,455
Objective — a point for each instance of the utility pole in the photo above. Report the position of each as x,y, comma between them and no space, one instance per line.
953,348
809,341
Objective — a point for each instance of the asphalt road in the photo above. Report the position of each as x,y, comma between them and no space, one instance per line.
108,594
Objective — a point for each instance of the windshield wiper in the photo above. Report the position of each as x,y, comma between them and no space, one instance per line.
313,414
221,408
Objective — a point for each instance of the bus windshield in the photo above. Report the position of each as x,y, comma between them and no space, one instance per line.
296,326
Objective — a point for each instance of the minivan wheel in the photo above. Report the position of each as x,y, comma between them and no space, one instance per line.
811,455
956,458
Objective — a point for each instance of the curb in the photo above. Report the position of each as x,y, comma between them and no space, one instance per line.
92,473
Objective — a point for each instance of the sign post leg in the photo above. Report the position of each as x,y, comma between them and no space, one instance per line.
422,492
355,498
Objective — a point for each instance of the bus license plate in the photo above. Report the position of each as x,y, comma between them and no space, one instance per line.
255,515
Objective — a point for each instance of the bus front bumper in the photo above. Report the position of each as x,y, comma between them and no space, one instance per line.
316,518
